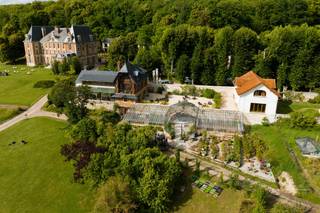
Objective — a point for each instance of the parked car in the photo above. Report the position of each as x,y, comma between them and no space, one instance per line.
165,81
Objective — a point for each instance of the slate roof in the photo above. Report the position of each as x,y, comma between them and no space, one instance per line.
36,33
58,37
96,76
135,72
251,80
83,31
79,34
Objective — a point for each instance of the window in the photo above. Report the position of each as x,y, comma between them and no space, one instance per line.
259,93
257,107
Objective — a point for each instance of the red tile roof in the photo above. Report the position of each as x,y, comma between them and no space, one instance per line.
251,80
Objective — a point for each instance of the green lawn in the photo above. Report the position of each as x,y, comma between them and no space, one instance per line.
285,107
34,177
194,200
6,114
17,88
228,202
276,137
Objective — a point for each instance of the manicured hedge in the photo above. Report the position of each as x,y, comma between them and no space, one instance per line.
44,84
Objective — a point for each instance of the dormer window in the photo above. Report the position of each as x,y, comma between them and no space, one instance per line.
260,93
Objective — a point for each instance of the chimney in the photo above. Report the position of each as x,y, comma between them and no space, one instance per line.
43,31
79,38
57,29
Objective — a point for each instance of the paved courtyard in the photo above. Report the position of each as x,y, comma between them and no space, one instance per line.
227,92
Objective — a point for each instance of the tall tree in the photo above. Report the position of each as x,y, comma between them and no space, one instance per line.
223,48
245,46
196,64
208,73
182,69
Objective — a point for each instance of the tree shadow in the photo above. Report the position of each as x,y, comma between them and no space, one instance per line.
181,197
284,107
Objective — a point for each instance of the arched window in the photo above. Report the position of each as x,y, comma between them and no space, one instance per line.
259,93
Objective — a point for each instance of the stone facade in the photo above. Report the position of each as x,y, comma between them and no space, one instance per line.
44,45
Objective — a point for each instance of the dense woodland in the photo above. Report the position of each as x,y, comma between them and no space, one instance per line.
210,41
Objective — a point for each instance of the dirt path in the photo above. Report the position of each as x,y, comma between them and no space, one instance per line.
34,111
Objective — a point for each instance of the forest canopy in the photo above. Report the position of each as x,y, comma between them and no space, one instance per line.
209,41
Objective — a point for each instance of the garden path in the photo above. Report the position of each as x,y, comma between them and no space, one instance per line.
34,111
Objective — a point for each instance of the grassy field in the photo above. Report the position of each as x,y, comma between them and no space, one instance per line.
34,177
285,107
228,202
277,138
17,88
6,114
194,200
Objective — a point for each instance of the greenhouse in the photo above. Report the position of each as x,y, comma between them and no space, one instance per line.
186,113
308,146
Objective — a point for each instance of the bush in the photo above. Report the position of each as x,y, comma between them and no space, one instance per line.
208,93
315,100
294,96
44,84
75,65
52,108
160,89
217,100
189,90
169,129
300,120
265,121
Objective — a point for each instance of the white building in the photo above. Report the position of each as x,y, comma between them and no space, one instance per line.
255,94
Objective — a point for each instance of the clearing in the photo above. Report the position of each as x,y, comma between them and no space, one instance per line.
34,177
17,88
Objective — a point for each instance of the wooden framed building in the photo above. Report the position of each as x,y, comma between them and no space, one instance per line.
125,87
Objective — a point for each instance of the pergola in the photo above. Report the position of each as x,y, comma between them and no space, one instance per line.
209,119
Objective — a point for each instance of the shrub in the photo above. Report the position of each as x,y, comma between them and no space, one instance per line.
52,108
292,96
217,100
75,65
214,150
208,93
189,90
300,120
265,121
44,84
160,90
315,100
169,129
176,92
